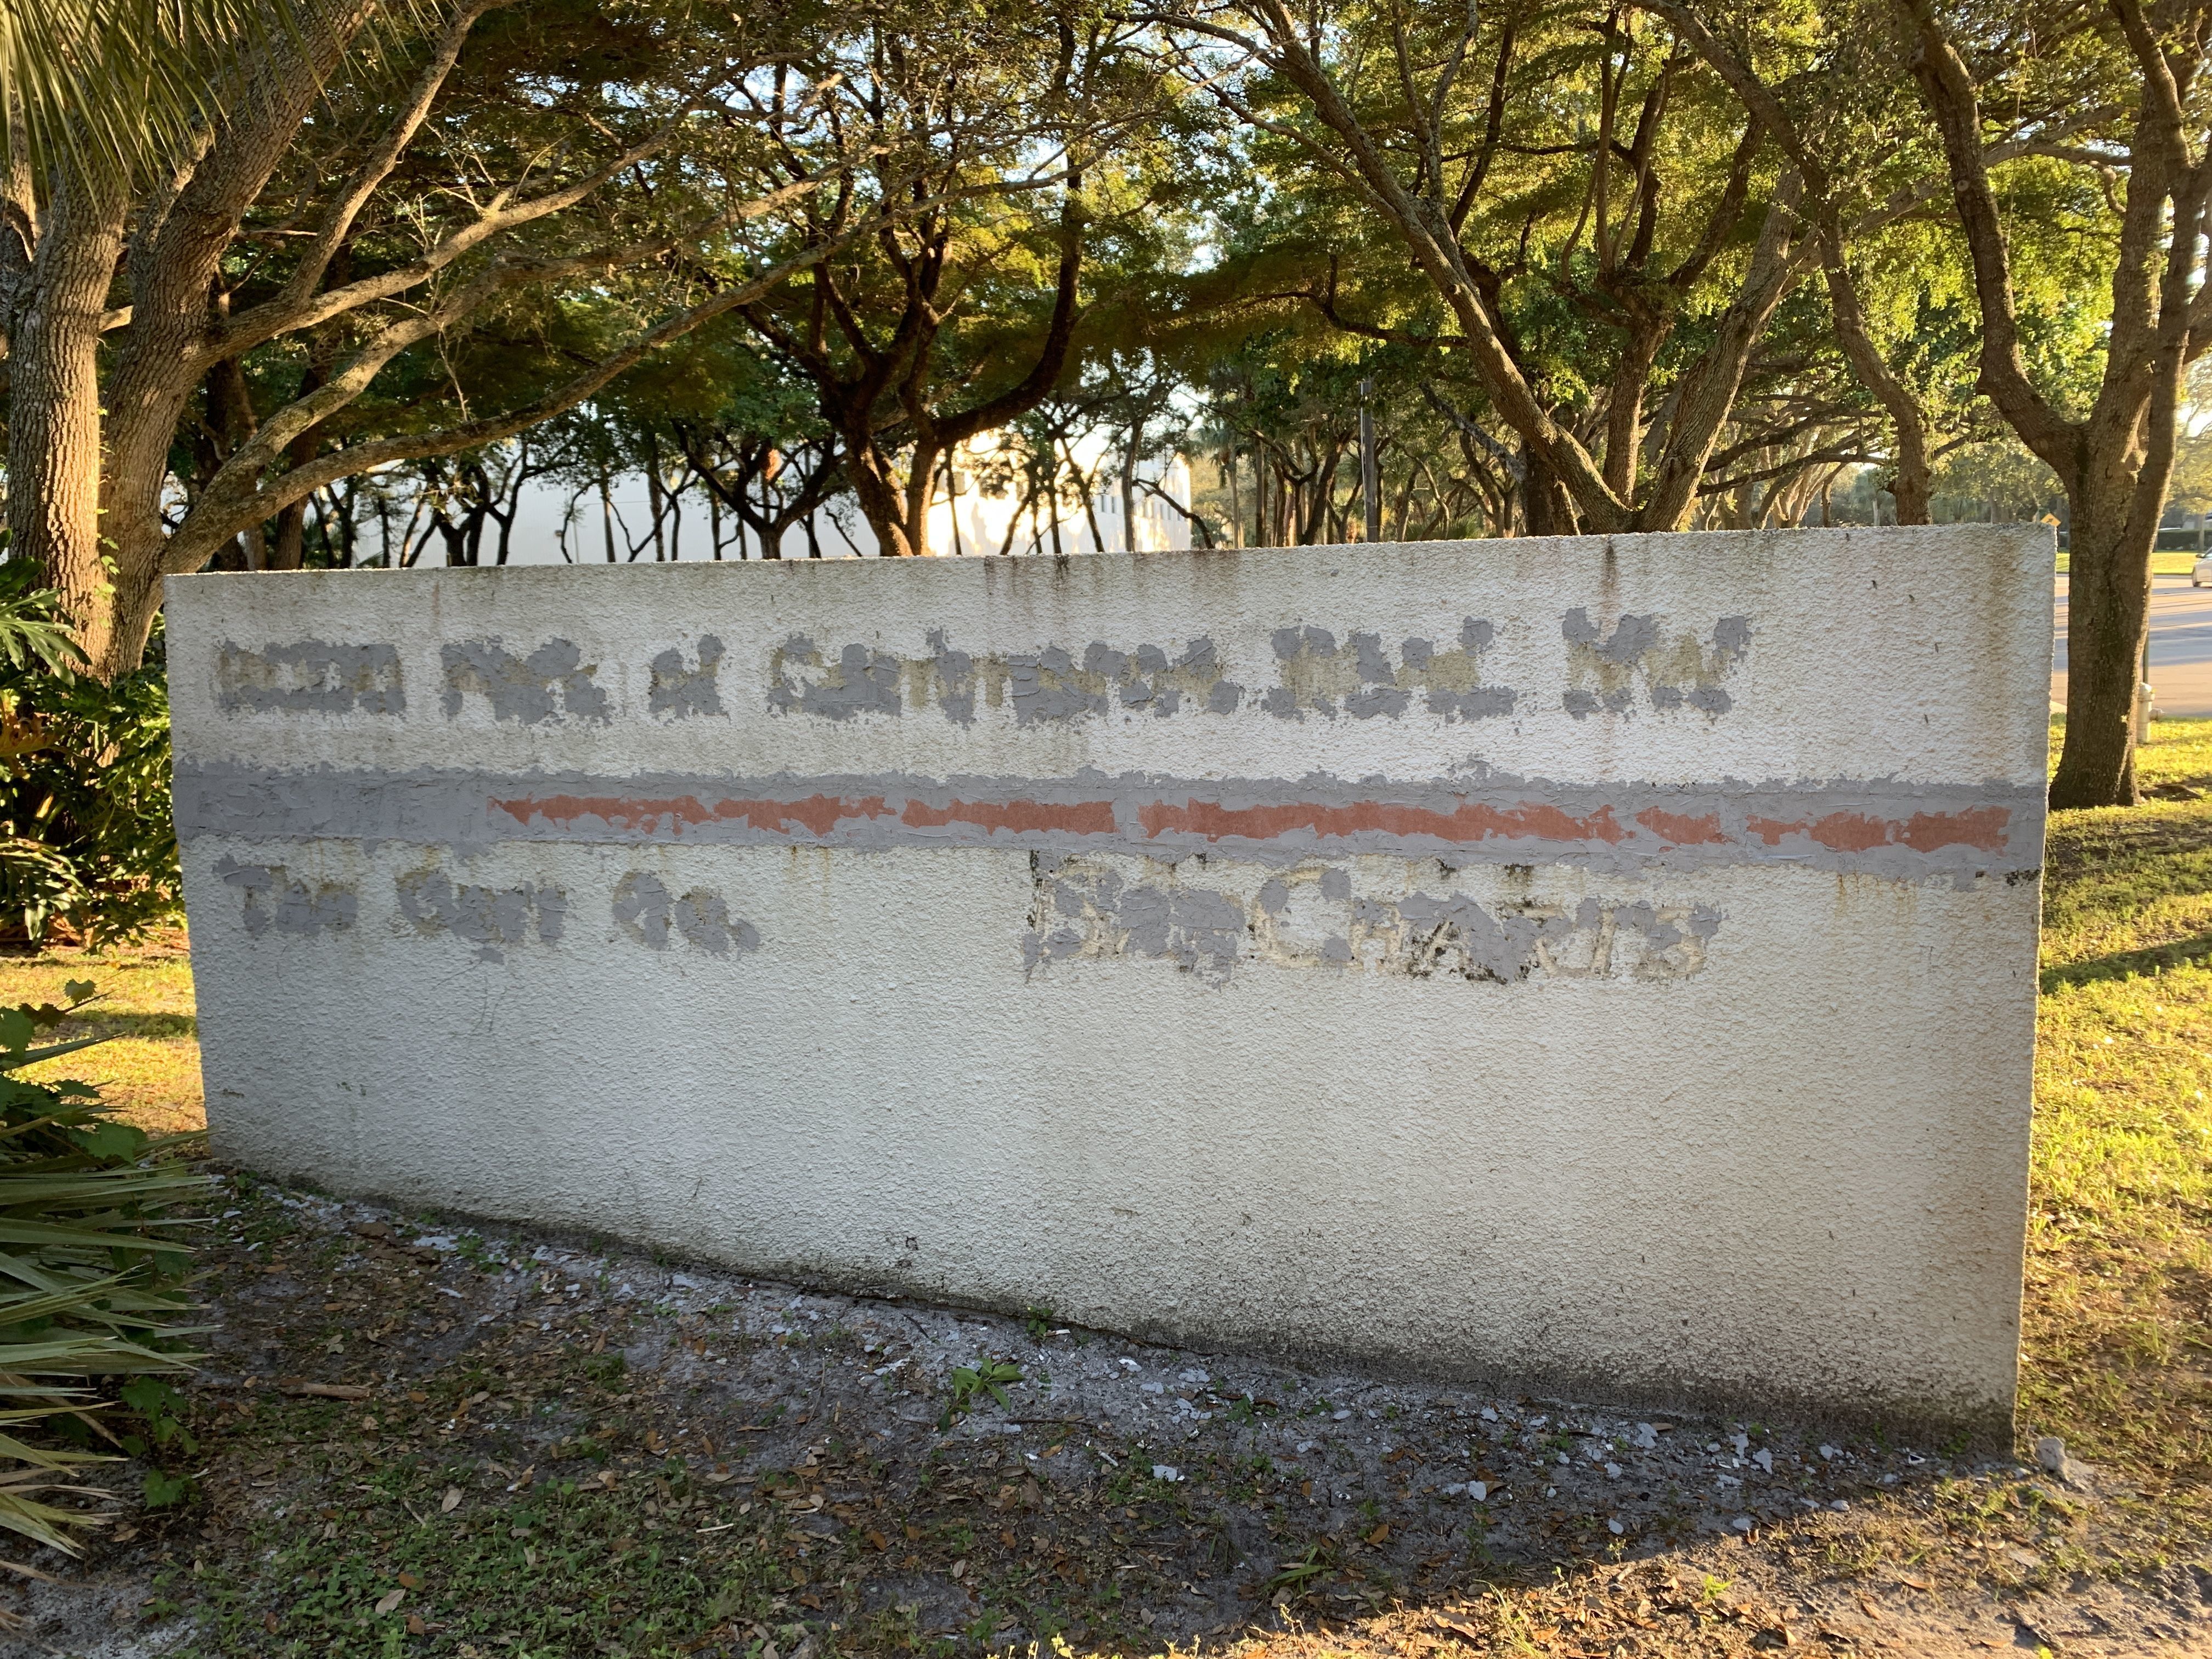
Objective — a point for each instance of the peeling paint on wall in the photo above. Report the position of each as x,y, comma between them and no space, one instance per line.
647,913
1050,684
487,917
1598,963
310,676
1409,918
1679,669
1319,676
1359,677
553,679
277,900
1867,825
680,689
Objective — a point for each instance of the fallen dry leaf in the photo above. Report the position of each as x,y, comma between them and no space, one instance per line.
389,1601
330,1390
451,1501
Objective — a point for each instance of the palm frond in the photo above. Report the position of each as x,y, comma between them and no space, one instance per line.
44,1524
115,87
118,90
90,1270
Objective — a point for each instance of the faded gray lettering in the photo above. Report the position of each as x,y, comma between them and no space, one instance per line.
862,681
646,910
1401,917
1359,679
486,917
1680,671
276,899
1052,684
309,677
679,689
552,679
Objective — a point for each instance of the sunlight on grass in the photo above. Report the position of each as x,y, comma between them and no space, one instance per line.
2117,1322
2161,564
151,1067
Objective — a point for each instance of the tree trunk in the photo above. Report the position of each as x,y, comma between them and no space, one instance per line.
883,501
653,495
1912,481
1235,500
288,549
2108,608
54,416
1129,482
1624,415
1547,509
175,269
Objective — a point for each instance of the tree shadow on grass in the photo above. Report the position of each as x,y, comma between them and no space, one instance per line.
151,1027
2130,964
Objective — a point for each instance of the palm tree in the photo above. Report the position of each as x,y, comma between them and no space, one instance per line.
113,89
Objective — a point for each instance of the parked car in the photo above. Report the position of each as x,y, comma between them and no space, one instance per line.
2201,572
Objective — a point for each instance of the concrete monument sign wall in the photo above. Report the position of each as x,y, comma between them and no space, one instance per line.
1606,964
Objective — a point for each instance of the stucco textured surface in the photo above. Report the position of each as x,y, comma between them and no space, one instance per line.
1605,965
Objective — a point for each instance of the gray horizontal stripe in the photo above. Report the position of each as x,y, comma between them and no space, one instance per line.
1879,827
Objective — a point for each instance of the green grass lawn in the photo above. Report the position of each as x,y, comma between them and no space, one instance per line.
2161,564
151,1067
2117,1322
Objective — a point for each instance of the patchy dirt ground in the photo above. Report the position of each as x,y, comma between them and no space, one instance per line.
410,1438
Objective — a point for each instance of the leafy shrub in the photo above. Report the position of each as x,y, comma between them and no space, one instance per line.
91,1278
86,836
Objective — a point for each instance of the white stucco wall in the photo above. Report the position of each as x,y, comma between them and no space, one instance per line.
1605,966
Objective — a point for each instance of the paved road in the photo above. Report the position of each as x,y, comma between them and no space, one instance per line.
2180,648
